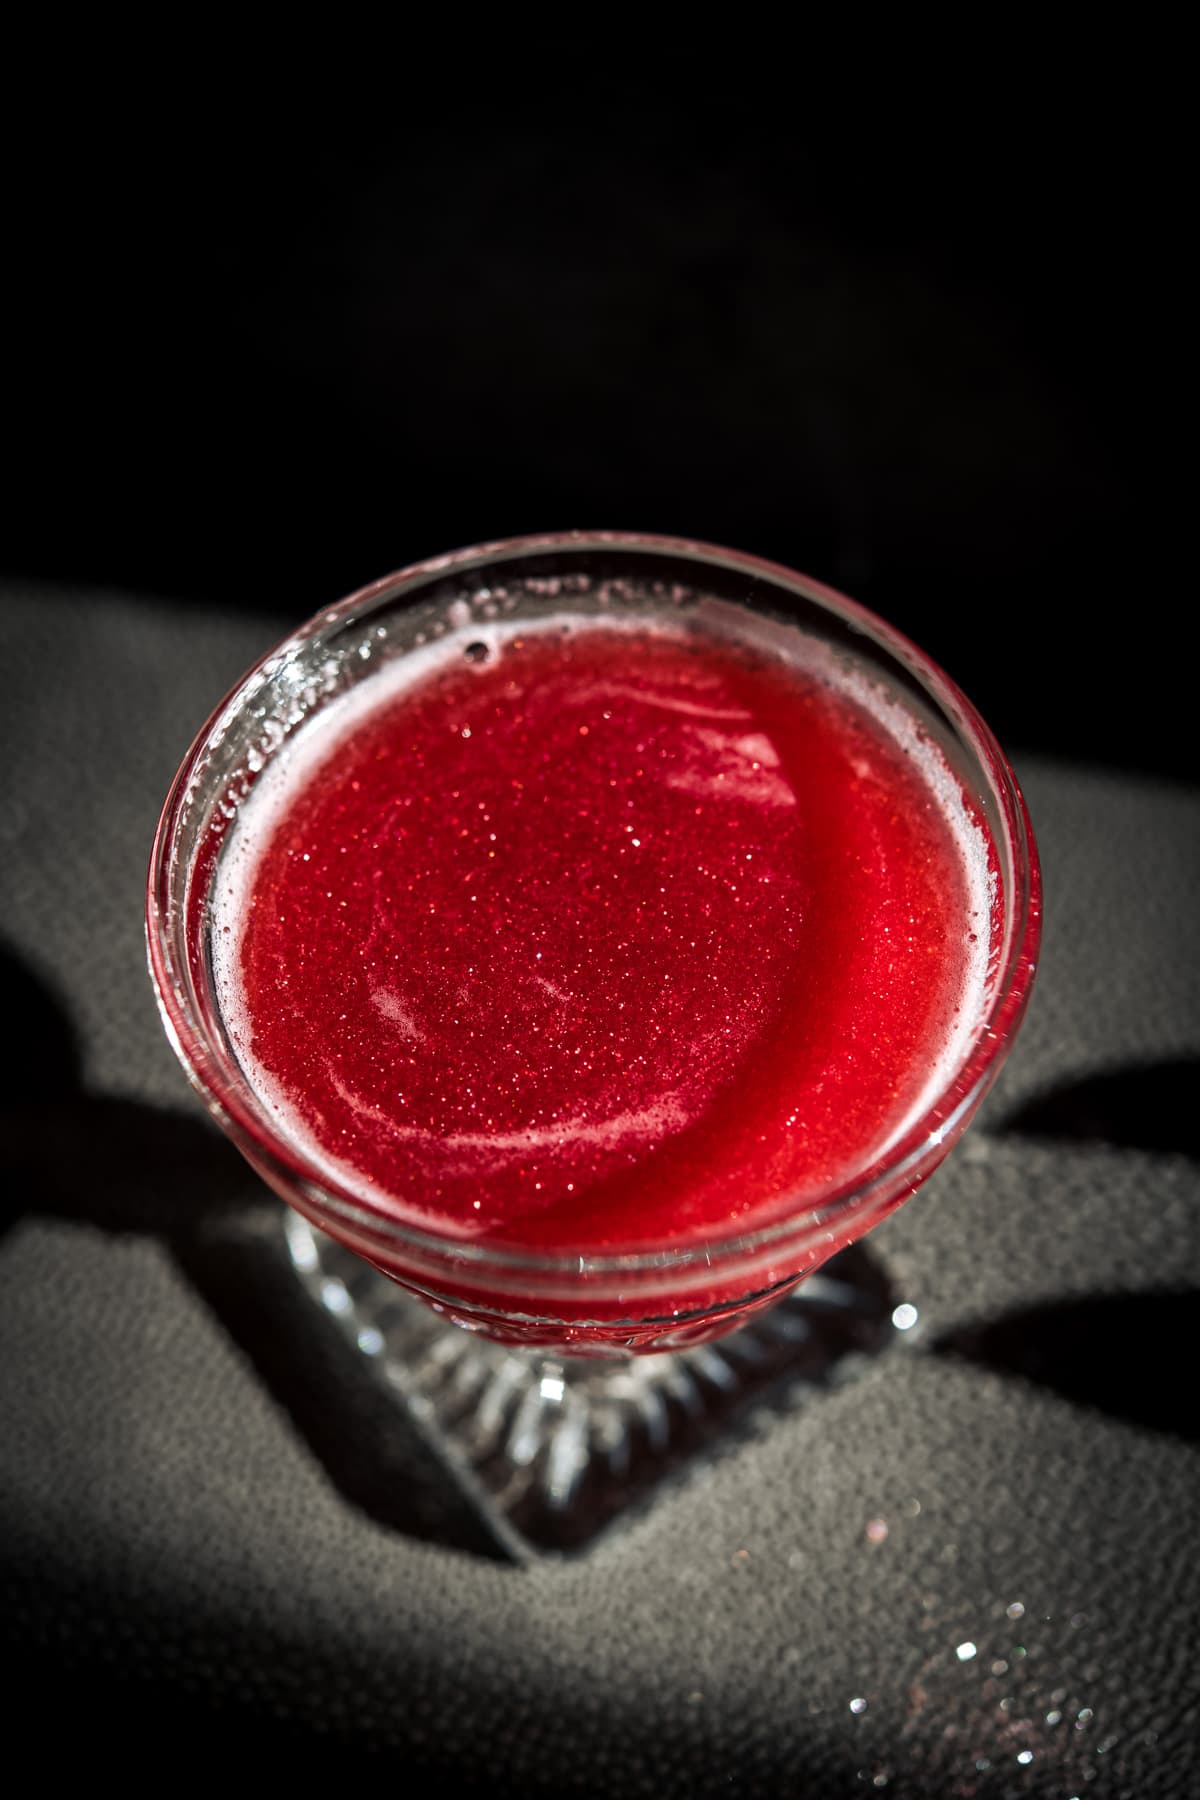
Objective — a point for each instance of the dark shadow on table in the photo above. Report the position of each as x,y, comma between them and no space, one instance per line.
1128,1355
1147,1106
130,1168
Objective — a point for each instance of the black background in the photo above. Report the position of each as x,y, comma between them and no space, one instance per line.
267,344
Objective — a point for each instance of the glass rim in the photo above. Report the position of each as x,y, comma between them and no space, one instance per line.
226,1091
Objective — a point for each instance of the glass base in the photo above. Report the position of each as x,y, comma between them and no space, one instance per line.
549,1450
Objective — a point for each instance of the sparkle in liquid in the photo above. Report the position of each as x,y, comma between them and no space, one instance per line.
590,938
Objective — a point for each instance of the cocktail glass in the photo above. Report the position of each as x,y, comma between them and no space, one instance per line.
558,1387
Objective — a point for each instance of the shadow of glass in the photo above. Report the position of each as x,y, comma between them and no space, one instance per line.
1153,1106
1129,1356
124,1167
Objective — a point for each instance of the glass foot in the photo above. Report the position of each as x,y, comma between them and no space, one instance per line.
551,1449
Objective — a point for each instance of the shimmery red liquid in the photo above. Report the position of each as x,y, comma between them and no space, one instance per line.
597,941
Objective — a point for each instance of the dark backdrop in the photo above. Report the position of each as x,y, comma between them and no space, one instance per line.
929,352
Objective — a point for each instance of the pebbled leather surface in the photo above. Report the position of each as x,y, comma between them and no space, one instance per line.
216,1554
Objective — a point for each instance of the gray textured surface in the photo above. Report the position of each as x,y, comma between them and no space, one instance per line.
188,1531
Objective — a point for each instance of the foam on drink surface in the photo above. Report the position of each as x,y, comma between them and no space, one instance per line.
595,934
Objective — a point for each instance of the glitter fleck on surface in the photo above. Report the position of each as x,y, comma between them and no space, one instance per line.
1016,1713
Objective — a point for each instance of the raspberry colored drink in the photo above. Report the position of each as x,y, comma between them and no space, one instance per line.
594,938
595,932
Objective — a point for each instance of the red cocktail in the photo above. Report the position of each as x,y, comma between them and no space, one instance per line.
594,932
